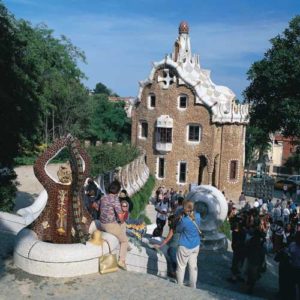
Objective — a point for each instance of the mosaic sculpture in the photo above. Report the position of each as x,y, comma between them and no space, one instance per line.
64,219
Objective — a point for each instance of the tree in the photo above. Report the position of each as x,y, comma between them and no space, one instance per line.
108,120
21,106
39,80
103,89
63,95
257,142
293,162
274,90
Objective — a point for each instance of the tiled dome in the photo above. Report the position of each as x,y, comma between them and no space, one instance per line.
183,27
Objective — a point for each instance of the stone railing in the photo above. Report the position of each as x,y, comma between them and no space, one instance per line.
132,176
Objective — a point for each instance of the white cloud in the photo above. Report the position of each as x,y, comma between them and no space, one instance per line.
120,50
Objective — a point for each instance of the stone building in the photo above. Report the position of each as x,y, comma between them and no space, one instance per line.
192,130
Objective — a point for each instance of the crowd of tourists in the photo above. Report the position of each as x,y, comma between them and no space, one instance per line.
264,228
183,238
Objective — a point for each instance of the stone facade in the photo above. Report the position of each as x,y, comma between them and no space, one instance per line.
191,129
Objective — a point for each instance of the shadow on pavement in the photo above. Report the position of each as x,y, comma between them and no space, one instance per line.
214,269
6,251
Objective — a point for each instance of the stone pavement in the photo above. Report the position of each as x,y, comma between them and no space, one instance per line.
16,284
213,271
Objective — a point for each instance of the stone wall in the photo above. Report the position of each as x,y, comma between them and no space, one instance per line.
232,148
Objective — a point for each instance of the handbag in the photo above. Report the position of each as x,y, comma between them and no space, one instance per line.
108,263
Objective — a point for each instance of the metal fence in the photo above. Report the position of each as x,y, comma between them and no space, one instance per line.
259,187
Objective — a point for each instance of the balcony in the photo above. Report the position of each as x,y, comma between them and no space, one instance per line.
163,147
163,134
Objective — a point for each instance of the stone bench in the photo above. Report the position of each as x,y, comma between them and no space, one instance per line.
69,260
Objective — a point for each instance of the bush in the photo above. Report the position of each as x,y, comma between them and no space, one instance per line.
225,228
29,158
141,199
106,157
8,189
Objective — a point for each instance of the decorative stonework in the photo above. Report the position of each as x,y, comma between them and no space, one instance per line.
64,211
132,176
219,99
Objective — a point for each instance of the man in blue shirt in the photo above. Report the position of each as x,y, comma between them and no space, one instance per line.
189,243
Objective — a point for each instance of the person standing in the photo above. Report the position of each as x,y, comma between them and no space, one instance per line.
242,200
172,241
110,214
162,214
238,248
294,252
189,243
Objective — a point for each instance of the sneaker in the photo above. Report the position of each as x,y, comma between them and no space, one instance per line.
122,265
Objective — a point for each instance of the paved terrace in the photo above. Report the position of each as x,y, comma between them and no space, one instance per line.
212,284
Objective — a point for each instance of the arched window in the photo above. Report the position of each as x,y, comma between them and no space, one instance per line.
160,167
151,101
233,170
194,132
182,170
182,101
143,129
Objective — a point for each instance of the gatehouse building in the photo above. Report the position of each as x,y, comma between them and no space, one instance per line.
192,130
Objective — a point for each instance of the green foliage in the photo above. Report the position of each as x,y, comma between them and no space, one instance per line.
293,162
103,89
21,105
274,90
108,121
141,199
40,87
8,189
64,97
24,160
107,157
225,228
257,139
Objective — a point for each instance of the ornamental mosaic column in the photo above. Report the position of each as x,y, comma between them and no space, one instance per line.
64,219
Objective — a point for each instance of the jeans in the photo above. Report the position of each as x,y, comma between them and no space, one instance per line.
172,256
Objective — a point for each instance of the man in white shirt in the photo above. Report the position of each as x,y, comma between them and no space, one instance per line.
162,214
286,215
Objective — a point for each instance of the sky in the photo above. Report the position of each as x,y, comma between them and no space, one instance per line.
122,38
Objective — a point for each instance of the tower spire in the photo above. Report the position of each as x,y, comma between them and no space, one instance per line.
182,48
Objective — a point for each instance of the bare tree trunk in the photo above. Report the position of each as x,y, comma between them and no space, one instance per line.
46,129
53,124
